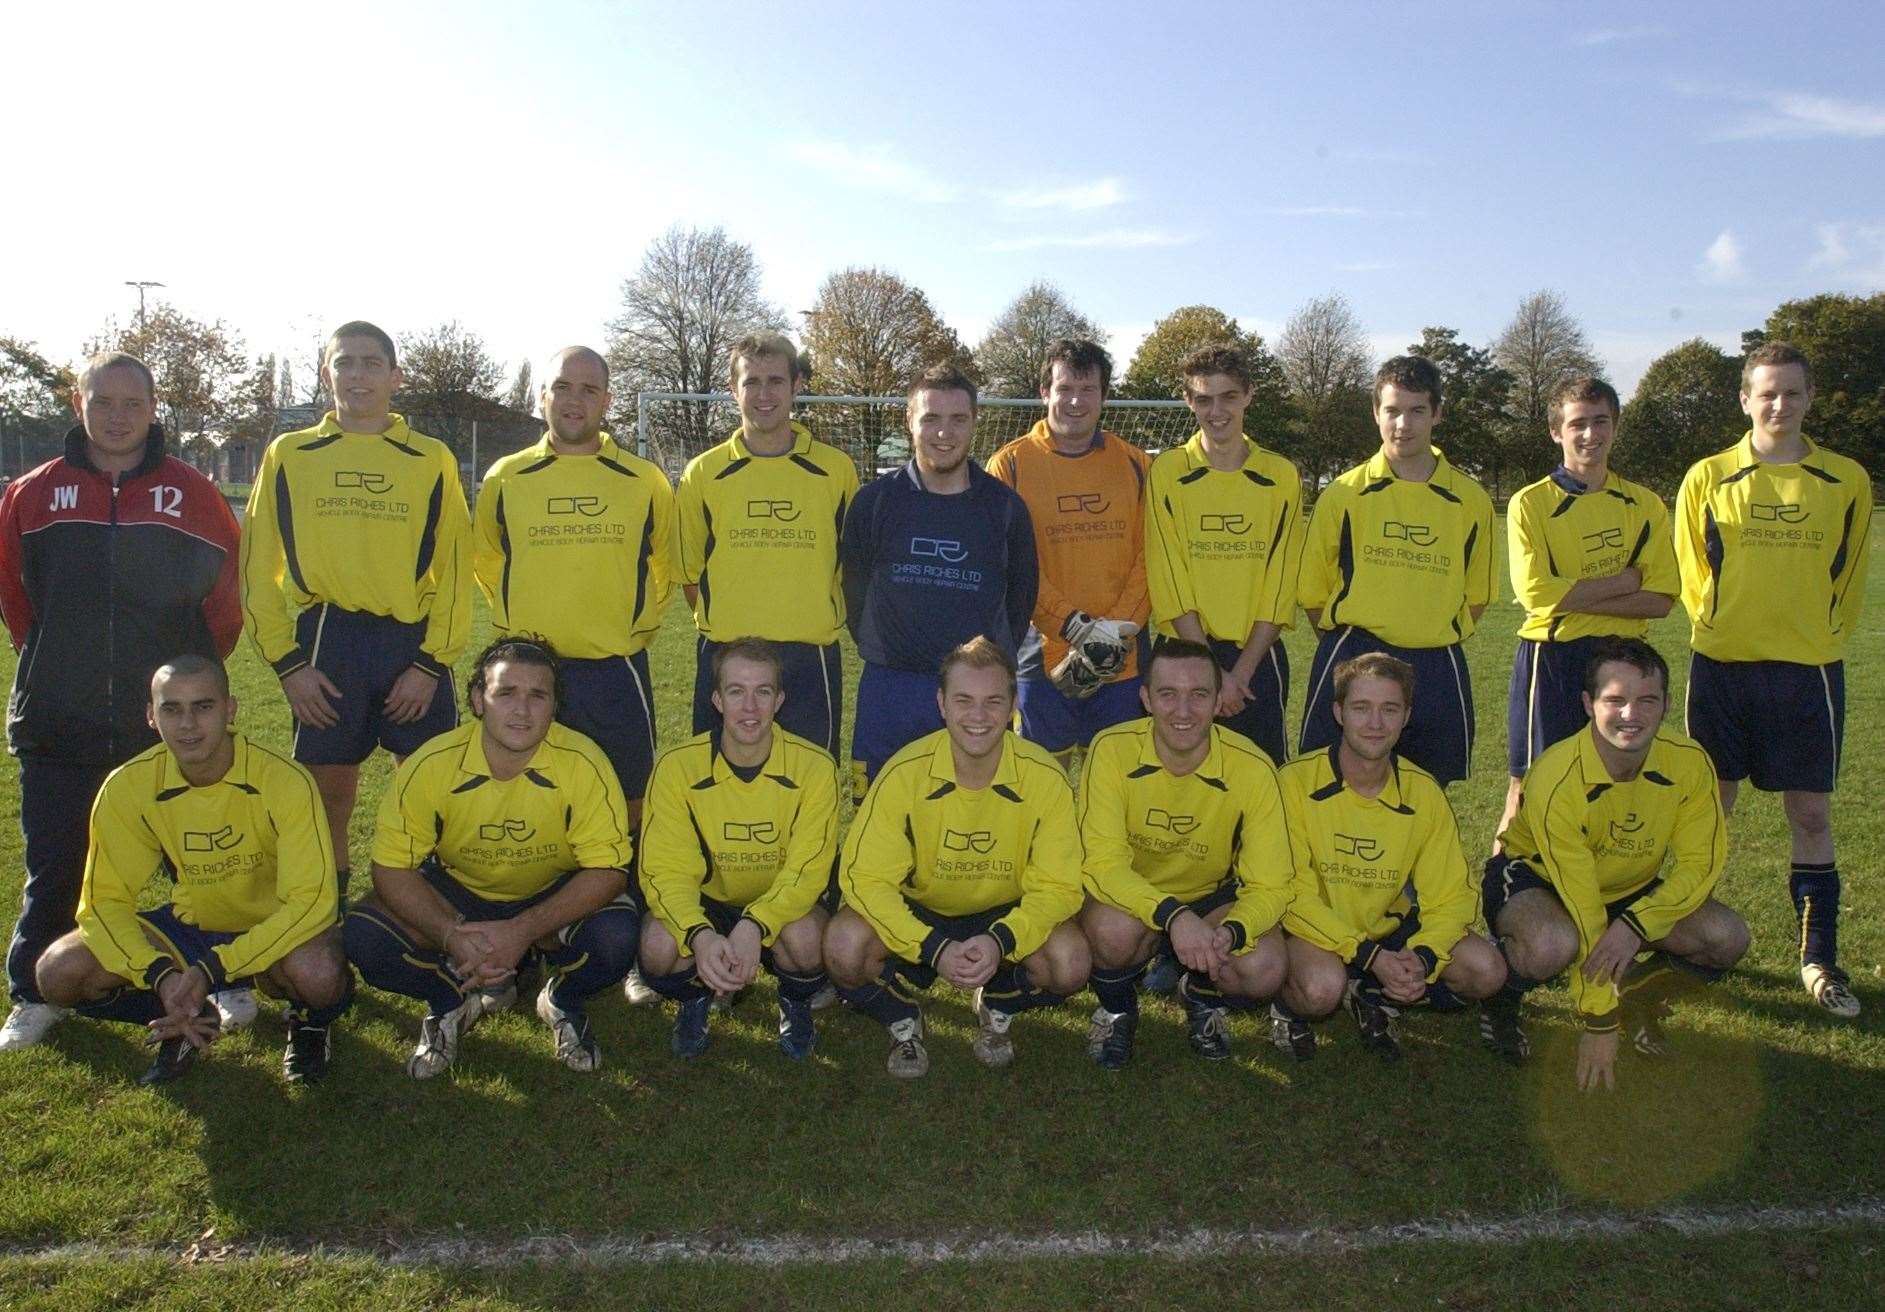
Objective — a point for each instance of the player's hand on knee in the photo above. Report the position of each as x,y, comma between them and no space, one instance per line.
743,951
1597,1060
311,696
1194,942
411,695
715,964
1610,959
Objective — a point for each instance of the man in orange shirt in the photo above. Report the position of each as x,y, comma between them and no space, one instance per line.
1085,492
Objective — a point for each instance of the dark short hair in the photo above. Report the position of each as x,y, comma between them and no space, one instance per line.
1585,388
97,364
1225,358
361,328
941,378
1080,356
518,649
757,650
1374,665
188,664
1634,652
1183,649
1774,355
1410,373
761,345
979,653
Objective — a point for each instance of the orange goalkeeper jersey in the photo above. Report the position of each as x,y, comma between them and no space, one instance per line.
1089,532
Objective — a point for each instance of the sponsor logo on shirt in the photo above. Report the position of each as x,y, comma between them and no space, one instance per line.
1610,537
1784,512
587,507
515,830
1367,849
976,840
1081,503
362,479
1223,524
782,510
1421,535
942,548
221,840
757,831
1159,818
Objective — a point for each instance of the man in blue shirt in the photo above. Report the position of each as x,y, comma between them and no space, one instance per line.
933,554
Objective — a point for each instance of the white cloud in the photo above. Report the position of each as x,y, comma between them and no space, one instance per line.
1609,36
1095,195
1795,115
1721,262
1118,239
873,169
1852,252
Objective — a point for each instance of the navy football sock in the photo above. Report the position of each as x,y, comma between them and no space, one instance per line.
1118,990
799,988
1815,889
600,950
682,986
131,1006
1010,990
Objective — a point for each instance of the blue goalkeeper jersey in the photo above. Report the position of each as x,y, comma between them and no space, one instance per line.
926,571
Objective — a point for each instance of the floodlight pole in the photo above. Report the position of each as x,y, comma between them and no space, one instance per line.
140,284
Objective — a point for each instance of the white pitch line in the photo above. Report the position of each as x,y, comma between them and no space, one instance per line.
789,1250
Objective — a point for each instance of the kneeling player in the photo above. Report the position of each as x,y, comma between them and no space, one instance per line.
1384,907
737,850
503,838
963,862
242,836
1185,845
1618,841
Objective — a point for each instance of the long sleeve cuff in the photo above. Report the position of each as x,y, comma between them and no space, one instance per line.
1163,913
933,944
425,662
1430,959
294,660
1003,935
1237,936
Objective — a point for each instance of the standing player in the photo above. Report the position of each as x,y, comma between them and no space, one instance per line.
760,517
113,558
1384,908
240,833
1185,844
1771,541
1617,844
1399,560
1223,536
359,524
1085,491
962,863
575,543
737,857
1591,558
502,839
934,554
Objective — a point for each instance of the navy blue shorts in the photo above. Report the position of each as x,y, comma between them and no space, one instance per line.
1058,722
472,907
894,709
1779,724
814,691
1439,733
1546,700
958,929
363,654
1261,720
611,700
186,943
1506,877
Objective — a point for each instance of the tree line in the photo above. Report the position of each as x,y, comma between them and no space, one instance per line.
868,331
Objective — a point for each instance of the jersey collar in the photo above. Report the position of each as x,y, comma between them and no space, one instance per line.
915,475
475,764
1197,458
801,443
1745,457
546,448
396,432
77,453
1040,434
722,771
1378,468
942,761
1210,769
170,777
1392,795
1596,775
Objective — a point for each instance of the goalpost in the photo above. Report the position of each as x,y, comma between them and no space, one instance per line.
672,428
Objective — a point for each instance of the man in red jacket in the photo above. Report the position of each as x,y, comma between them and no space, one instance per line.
114,558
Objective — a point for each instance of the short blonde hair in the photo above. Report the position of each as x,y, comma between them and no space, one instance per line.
761,345
980,653
1374,665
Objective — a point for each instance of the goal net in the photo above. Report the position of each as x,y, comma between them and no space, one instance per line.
672,428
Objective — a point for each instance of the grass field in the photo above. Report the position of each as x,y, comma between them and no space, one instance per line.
1767,1105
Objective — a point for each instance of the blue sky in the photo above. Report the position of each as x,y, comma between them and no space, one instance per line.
1673,170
